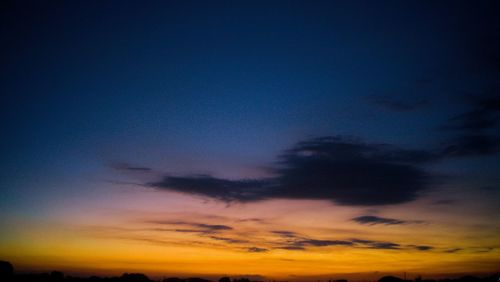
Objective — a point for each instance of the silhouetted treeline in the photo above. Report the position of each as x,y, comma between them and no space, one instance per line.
175,279
492,278
7,274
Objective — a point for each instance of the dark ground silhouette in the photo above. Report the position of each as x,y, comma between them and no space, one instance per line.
7,274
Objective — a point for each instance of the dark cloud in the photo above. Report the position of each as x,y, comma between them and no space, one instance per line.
424,248
256,220
350,172
452,251
257,250
283,233
303,243
477,119
376,244
475,131
212,226
384,245
180,230
187,230
482,249
128,167
202,226
323,243
228,240
338,169
294,241
389,245
221,189
395,105
361,241
291,248
374,220
472,145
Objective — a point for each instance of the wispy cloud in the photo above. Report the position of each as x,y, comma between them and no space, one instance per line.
202,227
256,220
128,167
228,240
370,244
393,104
323,243
452,251
283,240
475,131
297,242
423,248
285,233
375,220
257,250
484,114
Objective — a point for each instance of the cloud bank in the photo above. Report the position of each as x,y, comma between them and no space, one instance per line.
374,220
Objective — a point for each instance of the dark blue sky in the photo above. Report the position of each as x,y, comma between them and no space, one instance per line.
277,138
223,87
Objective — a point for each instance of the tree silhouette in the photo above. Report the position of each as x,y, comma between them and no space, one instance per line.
6,271
390,279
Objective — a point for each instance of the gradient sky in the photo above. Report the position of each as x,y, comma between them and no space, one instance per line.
291,140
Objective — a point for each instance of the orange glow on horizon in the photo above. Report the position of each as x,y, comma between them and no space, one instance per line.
164,241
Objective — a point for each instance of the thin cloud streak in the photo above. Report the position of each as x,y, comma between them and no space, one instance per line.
375,220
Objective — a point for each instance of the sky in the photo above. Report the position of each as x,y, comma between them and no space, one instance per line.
289,140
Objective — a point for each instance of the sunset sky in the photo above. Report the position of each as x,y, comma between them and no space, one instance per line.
288,140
